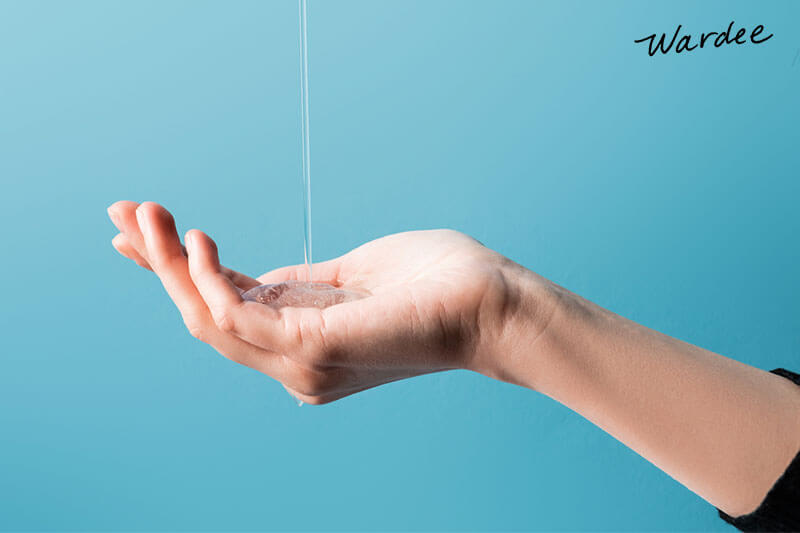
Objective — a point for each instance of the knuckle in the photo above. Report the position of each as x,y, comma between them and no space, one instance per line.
197,325
312,342
224,321
196,330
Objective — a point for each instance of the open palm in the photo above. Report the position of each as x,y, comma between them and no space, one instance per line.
437,301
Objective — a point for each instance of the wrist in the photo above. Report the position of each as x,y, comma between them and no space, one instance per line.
527,335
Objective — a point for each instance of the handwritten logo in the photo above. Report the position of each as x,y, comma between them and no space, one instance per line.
684,43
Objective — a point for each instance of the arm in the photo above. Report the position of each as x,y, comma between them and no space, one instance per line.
723,429
440,300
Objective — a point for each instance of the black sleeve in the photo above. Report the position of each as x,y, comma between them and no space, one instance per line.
780,510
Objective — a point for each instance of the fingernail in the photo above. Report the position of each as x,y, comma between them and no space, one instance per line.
140,218
112,214
188,239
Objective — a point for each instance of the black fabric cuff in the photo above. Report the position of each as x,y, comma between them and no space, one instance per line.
780,510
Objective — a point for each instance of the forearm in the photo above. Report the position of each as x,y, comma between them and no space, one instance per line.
723,429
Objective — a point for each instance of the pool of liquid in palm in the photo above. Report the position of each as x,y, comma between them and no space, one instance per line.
300,294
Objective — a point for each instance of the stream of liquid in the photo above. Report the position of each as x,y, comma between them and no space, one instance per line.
304,130
296,293
304,127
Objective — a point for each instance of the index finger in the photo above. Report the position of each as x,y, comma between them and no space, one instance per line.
170,265
255,323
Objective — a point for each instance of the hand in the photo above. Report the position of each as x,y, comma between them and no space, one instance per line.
439,300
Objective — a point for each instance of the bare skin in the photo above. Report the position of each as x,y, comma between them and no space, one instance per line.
439,301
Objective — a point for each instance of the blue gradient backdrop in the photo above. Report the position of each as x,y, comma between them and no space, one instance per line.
663,188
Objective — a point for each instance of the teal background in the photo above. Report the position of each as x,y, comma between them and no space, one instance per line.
662,188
